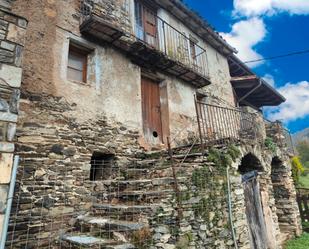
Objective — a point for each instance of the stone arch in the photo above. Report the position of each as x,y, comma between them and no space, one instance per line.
249,167
250,162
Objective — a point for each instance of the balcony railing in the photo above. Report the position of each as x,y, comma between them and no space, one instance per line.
178,47
220,125
166,48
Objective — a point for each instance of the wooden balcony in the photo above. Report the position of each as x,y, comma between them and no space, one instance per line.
169,51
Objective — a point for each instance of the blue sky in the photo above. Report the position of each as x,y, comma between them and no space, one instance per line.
264,28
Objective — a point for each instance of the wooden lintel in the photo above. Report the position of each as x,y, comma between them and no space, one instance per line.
245,78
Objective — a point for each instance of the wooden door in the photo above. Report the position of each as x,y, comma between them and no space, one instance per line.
151,108
254,212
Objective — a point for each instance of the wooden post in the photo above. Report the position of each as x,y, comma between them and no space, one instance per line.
176,186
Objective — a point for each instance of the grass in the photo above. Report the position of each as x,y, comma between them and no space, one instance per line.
299,243
304,181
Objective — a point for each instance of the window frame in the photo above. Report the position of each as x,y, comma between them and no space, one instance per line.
141,8
81,53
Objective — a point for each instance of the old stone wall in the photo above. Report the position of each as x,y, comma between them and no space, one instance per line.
54,196
284,188
12,39
63,124
56,199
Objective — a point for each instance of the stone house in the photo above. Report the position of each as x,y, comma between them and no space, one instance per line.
136,127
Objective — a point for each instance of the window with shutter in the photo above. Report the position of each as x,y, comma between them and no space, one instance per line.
77,64
145,24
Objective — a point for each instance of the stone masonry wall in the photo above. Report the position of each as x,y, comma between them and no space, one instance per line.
12,37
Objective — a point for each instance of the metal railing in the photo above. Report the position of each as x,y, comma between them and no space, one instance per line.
220,125
174,44
178,47
288,141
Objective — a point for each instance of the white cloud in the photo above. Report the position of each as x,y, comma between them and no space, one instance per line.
297,104
251,8
244,36
269,79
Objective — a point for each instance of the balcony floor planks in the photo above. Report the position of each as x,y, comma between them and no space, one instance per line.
141,53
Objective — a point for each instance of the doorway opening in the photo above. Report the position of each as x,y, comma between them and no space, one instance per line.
102,166
249,167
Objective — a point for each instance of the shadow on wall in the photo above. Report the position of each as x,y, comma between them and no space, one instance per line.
250,163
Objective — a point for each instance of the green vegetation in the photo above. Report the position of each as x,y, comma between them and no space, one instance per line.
304,181
270,144
299,243
184,241
297,169
305,225
303,150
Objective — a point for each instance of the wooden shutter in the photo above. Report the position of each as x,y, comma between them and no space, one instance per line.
150,26
77,65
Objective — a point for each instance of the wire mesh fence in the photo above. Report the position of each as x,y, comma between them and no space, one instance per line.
104,205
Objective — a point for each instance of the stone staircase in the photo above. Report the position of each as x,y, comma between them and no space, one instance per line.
123,213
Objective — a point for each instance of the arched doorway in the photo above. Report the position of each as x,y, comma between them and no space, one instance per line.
249,168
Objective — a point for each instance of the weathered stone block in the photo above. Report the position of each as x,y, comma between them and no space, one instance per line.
14,101
8,45
16,34
11,131
4,106
6,164
11,75
8,117
18,56
7,147
22,23
3,196
3,25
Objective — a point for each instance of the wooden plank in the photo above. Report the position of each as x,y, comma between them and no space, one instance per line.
300,206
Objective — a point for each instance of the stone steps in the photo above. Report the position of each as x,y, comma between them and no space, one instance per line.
124,212
135,195
145,184
106,225
87,241
124,209
84,241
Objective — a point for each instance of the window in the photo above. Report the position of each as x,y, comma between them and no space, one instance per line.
145,23
102,167
77,64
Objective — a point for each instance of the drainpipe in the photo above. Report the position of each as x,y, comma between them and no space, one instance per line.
252,91
9,203
230,207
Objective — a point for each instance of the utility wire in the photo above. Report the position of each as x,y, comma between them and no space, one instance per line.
279,56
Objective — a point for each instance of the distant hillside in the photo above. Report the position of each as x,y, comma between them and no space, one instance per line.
301,135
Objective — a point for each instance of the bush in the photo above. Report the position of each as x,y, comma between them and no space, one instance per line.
297,169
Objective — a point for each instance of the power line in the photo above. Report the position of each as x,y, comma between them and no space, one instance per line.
279,56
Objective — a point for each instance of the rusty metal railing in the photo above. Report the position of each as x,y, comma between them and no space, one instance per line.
179,47
222,125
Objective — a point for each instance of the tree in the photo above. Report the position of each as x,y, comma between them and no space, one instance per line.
303,150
